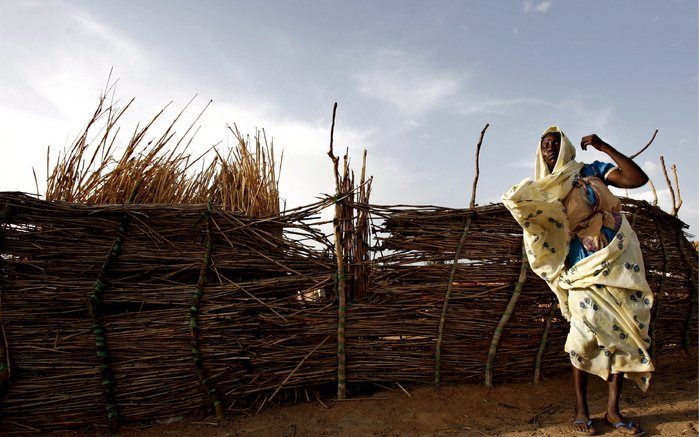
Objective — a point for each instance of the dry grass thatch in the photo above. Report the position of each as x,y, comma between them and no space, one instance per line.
160,171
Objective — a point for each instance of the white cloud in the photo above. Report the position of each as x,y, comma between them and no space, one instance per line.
524,163
411,123
596,117
650,167
411,87
689,211
579,111
544,6
498,105
306,169
541,7
66,79
49,86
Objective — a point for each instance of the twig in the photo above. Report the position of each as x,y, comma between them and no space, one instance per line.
25,426
646,146
655,193
475,179
36,183
319,400
361,399
404,390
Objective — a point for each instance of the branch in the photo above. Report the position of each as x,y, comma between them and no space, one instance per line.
475,179
677,185
647,145
669,185
332,156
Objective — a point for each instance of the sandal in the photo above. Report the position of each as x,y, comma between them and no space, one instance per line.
629,427
589,429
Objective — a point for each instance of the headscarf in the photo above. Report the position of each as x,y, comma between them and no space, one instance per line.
565,154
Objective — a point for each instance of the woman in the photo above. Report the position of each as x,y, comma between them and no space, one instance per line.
578,241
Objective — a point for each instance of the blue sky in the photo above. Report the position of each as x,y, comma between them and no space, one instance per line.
415,83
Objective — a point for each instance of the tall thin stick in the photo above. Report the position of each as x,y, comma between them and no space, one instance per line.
475,179
340,269
658,296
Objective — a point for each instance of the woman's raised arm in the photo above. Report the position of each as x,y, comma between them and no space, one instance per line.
627,174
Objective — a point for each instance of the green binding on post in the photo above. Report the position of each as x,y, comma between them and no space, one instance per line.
93,304
194,316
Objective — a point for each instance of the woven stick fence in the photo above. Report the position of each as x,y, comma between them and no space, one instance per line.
260,324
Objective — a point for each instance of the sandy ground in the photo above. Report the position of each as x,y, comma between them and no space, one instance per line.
670,408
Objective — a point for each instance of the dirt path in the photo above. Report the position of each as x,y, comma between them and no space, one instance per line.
669,408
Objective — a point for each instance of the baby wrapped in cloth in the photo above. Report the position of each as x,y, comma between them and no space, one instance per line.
604,295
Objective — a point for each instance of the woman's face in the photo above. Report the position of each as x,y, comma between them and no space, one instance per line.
550,146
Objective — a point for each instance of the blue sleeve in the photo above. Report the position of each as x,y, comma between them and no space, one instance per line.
597,168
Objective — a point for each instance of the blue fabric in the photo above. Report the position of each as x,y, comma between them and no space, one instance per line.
577,251
596,168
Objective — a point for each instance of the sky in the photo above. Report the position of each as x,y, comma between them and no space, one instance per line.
415,83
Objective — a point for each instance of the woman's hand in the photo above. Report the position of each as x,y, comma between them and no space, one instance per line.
594,141
627,174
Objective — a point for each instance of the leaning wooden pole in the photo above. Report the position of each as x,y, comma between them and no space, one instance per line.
452,273
504,319
686,338
542,344
341,296
658,297
445,304
5,364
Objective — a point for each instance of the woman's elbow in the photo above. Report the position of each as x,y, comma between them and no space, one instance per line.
637,182
630,182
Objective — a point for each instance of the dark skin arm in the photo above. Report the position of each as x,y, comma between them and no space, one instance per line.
627,174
